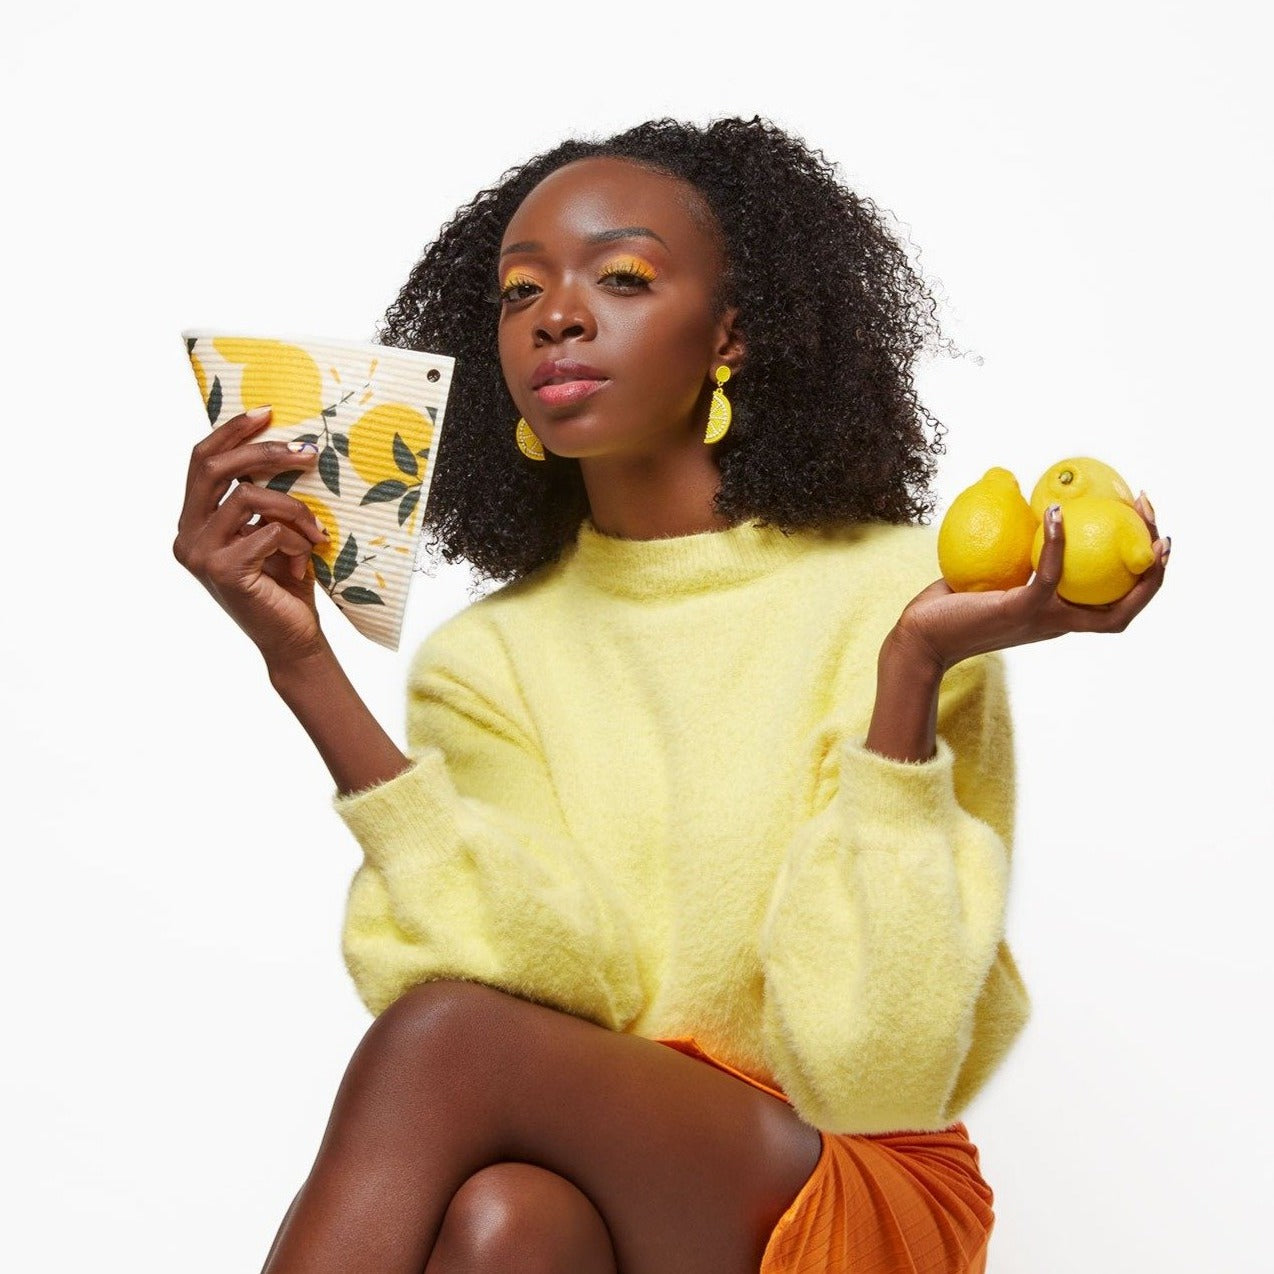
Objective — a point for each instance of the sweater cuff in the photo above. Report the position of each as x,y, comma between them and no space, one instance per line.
410,812
880,796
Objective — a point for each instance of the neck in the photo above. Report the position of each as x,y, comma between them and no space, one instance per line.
654,496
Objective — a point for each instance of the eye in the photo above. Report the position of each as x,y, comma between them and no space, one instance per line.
627,274
517,286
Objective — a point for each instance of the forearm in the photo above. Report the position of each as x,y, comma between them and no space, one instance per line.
904,722
350,740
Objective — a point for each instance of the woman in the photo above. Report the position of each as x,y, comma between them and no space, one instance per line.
683,919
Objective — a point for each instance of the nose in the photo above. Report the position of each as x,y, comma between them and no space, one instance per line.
563,315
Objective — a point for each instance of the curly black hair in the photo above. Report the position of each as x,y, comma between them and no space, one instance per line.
827,425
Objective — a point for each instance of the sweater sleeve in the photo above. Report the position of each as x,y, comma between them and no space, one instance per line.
468,869
890,994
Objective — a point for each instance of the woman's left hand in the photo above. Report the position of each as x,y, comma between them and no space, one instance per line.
946,626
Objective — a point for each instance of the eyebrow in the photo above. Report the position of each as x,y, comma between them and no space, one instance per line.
602,236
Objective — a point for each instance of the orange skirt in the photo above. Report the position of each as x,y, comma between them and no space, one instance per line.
894,1203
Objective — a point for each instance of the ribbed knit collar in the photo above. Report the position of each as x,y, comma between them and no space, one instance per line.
681,564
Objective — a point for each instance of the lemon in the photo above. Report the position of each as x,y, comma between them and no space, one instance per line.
284,376
329,548
1108,546
371,444
1076,476
984,541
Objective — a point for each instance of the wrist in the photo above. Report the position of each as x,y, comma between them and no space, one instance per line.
908,657
905,716
358,753
288,672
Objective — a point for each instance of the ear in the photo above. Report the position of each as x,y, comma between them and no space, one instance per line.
730,348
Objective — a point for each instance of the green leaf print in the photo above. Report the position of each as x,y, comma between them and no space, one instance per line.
361,596
284,481
214,400
346,561
404,457
408,506
390,489
329,467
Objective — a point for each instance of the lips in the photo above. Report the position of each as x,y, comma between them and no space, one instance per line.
561,371
562,381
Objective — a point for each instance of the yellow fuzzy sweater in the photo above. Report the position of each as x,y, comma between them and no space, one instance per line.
639,794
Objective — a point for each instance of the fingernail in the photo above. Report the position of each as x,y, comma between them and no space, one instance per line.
1053,513
298,446
258,413
1150,508
1167,547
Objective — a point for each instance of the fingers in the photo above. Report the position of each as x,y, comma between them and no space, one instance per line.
242,562
1147,510
235,432
289,542
212,475
299,531
1151,580
1054,615
1124,611
1118,615
1162,545
960,624
216,462
251,546
1048,573
247,501
226,454
288,565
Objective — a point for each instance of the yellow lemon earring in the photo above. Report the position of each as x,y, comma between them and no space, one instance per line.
528,444
719,413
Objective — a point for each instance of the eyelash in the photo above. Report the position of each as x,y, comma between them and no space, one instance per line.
514,281
628,268
634,273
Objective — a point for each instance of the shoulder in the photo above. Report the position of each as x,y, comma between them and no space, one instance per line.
874,565
903,548
882,567
473,644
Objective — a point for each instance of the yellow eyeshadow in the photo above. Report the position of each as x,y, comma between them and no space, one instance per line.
629,265
517,278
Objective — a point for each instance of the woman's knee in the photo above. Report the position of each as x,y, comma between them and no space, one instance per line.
442,1019
516,1217
431,1041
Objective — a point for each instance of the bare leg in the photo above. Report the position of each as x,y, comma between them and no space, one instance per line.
514,1218
283,1225
689,1168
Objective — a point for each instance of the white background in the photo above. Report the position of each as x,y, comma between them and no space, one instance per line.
1089,186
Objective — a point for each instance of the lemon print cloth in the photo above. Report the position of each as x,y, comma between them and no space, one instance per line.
375,414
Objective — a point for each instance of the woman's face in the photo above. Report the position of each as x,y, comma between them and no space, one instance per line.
610,330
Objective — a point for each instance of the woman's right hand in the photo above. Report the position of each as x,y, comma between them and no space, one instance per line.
258,571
